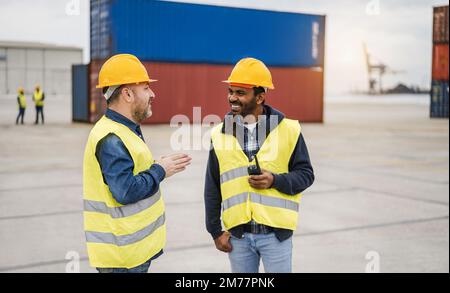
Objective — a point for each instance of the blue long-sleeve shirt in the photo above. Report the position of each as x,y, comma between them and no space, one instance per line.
298,179
117,166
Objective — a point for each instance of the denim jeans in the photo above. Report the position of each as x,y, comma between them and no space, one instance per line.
20,116
247,252
39,109
141,269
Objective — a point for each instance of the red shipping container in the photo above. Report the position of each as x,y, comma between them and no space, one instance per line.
180,87
440,62
97,103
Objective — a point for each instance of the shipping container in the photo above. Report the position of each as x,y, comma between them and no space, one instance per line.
97,103
440,24
439,106
100,29
440,62
180,87
80,93
439,103
191,33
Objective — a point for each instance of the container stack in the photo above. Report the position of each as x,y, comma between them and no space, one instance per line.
439,106
191,48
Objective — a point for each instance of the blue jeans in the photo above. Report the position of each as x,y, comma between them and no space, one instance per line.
141,269
39,109
21,115
247,252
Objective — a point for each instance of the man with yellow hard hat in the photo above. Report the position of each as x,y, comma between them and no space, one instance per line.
124,216
38,98
257,168
22,102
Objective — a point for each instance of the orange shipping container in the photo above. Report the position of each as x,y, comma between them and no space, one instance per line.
440,62
180,87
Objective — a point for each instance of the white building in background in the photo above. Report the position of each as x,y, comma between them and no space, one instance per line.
25,64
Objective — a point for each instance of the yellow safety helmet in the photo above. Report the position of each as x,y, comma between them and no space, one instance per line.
122,69
20,90
251,71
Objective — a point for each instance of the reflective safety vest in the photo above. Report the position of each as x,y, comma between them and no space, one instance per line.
38,95
120,236
240,202
22,101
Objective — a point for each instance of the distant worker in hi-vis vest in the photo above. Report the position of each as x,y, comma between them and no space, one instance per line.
124,216
257,168
22,103
38,98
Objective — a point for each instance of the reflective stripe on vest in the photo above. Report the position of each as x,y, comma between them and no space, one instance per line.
233,174
124,211
260,199
122,240
120,236
242,203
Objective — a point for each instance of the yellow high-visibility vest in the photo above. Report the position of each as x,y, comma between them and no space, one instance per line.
22,101
38,95
120,236
240,202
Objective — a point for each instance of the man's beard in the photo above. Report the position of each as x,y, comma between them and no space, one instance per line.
140,115
248,108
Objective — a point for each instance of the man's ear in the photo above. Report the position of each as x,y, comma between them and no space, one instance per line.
126,94
261,98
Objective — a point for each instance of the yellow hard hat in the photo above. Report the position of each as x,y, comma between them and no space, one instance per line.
251,71
122,69
20,90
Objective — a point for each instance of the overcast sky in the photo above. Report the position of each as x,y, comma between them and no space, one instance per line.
397,32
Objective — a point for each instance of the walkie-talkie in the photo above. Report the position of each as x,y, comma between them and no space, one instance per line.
254,169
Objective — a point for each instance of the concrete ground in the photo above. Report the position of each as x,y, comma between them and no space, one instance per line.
381,193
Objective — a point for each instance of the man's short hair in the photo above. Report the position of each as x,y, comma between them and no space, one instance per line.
259,90
115,95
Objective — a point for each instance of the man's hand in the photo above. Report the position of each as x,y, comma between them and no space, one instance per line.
263,181
223,242
175,163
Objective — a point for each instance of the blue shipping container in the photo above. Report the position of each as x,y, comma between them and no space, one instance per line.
192,33
80,93
439,104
